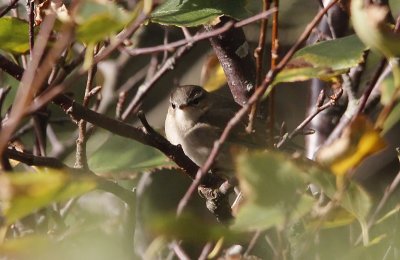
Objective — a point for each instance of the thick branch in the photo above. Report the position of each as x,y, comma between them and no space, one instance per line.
235,57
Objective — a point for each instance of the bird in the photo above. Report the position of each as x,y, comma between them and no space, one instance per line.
196,119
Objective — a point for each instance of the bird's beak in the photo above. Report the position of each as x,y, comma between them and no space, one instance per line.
183,106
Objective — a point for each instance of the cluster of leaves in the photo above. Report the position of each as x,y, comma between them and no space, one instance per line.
44,210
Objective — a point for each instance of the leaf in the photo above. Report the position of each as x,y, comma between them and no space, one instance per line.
273,188
212,74
354,198
14,36
98,20
197,12
24,247
188,227
323,60
120,154
387,89
369,22
24,193
392,120
358,141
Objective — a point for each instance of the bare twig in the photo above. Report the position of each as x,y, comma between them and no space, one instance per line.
319,108
120,38
31,16
11,68
253,99
252,242
109,186
81,157
3,95
178,250
10,6
199,36
388,192
134,105
29,83
206,251
371,86
259,56
274,62
78,112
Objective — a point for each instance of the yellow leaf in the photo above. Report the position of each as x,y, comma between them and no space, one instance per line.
358,141
212,74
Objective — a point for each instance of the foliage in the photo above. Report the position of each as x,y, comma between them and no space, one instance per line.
81,166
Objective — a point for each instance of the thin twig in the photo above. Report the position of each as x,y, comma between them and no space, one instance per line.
328,20
125,34
274,62
147,86
206,251
253,99
252,242
259,56
199,36
30,82
178,250
388,192
109,186
319,108
80,155
31,16
10,6
371,86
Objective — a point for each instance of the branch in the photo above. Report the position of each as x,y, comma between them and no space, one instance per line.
259,56
199,36
151,138
106,185
120,38
319,108
11,5
11,68
259,92
235,58
147,86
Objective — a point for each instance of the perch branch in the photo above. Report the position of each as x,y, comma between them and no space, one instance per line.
259,92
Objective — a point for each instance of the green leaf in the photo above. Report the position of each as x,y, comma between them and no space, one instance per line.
354,199
274,188
99,20
323,60
24,193
119,154
393,118
24,247
197,12
369,22
14,35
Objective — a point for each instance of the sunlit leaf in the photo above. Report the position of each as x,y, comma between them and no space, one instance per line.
370,25
23,193
121,154
98,20
212,74
14,35
323,60
358,141
197,12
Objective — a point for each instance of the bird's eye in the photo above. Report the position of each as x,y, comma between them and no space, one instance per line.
195,101
173,105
